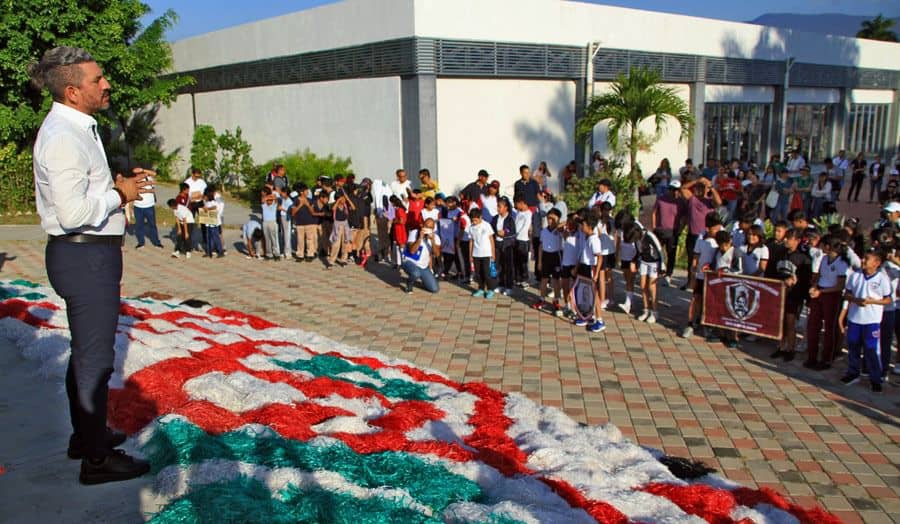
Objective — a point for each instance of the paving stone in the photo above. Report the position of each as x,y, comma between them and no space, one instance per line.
764,423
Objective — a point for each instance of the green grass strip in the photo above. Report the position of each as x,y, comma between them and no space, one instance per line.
331,366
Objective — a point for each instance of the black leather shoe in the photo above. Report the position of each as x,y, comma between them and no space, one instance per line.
76,446
777,353
114,467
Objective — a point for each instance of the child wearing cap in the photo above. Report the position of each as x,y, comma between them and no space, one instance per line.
866,293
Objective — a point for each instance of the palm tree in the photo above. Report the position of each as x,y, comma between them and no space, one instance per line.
631,100
878,28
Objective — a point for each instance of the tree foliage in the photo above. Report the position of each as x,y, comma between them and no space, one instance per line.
16,181
235,162
205,150
579,190
132,57
631,100
137,145
878,28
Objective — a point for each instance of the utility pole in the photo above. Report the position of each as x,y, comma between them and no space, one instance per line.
788,64
592,49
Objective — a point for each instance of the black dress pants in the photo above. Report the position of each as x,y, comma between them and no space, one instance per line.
87,277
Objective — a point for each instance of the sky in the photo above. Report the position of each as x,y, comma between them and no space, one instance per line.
202,16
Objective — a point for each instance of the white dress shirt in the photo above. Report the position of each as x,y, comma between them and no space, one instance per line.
598,198
72,180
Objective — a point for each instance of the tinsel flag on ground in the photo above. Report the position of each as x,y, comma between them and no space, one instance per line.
246,421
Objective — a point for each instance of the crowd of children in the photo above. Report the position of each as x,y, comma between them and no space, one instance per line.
496,244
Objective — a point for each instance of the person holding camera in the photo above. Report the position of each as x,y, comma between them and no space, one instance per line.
421,246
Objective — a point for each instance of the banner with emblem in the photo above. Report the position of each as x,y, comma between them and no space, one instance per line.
743,303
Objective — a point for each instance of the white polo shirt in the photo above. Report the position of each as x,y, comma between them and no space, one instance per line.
481,239
831,270
590,250
195,186
862,286
523,225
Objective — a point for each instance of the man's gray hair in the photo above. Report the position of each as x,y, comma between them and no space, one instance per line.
57,70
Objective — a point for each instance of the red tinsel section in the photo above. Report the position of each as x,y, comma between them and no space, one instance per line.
752,497
18,309
490,436
602,511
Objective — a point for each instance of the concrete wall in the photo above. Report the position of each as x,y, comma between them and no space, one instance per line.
499,125
176,125
576,23
347,23
357,118
668,145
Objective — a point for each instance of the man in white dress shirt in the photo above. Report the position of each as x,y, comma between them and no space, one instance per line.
80,205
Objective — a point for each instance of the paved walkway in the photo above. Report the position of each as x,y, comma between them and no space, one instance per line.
762,423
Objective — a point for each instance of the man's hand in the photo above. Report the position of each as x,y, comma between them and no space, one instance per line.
133,187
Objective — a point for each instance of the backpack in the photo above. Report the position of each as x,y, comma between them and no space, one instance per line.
649,250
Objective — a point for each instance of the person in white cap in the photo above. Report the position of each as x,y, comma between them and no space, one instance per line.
892,214
665,222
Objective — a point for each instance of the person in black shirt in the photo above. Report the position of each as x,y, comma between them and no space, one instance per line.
473,191
322,210
796,270
526,188
777,249
360,218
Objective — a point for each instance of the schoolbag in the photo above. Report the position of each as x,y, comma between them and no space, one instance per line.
649,251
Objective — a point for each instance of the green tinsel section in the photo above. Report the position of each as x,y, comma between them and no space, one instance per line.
24,283
7,293
180,442
249,501
151,301
331,366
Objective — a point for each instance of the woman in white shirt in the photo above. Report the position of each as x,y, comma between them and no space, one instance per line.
820,193
754,252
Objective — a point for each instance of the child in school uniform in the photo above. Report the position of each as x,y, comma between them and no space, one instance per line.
588,266
398,230
505,227
704,257
523,219
650,266
607,233
549,261
571,252
828,281
866,293
447,231
627,249
727,260
482,251
213,231
184,228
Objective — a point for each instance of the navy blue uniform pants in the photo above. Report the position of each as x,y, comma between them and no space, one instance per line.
87,277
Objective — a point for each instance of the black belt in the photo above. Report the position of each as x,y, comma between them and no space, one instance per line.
80,238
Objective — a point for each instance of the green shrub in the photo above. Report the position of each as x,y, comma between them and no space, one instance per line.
580,190
303,166
204,151
16,179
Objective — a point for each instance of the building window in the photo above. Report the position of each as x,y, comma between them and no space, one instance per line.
736,131
867,128
808,128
